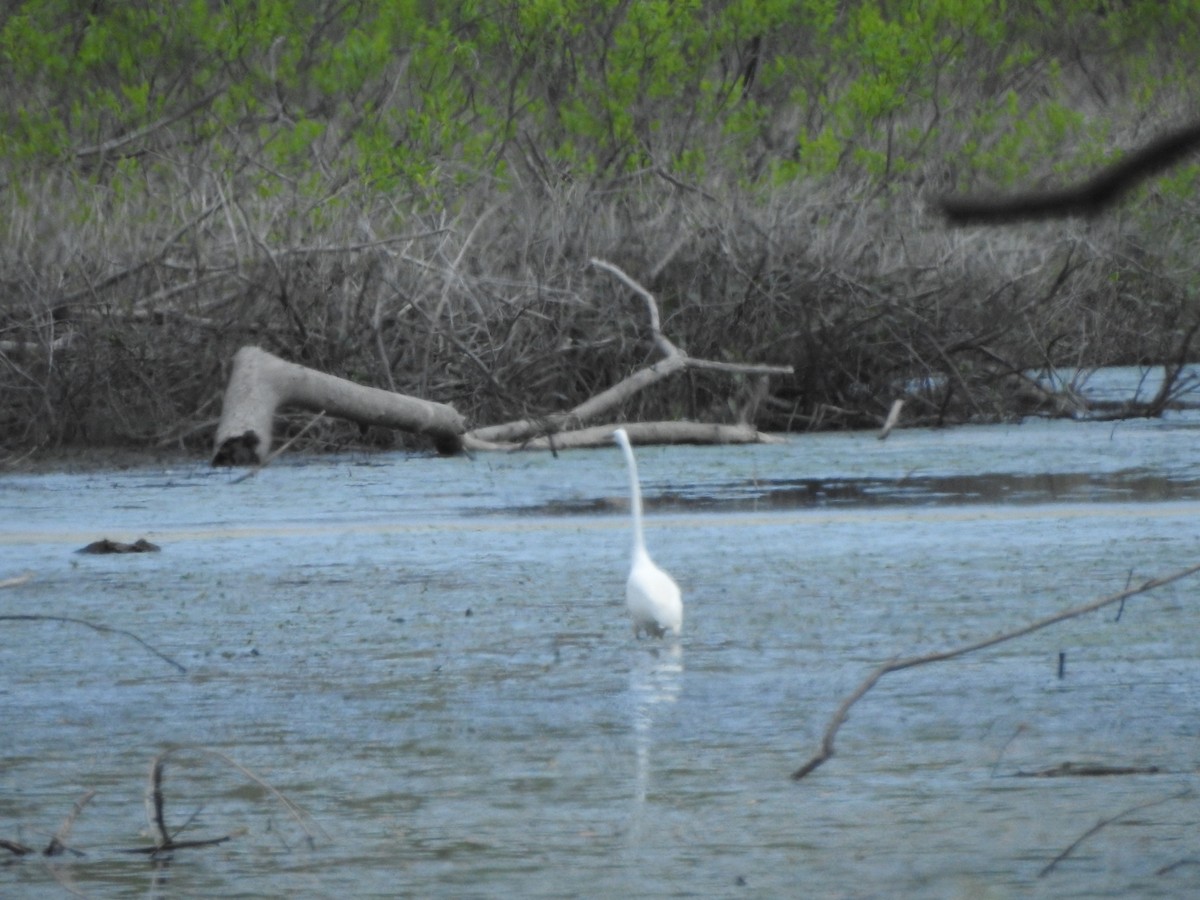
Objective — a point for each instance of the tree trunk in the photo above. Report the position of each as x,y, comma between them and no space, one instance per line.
261,383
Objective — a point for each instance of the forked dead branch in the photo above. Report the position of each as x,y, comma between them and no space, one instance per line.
58,843
839,717
166,840
260,384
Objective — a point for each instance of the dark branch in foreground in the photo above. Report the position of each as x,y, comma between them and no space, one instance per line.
1085,199
94,627
58,843
165,840
826,750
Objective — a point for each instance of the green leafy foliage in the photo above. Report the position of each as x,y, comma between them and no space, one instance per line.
435,94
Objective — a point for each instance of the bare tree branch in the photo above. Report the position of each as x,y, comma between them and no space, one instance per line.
116,143
30,617
164,841
549,431
826,750
58,843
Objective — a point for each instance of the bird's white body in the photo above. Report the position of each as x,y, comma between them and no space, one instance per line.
654,600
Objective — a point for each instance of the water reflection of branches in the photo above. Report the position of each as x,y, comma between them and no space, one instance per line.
826,750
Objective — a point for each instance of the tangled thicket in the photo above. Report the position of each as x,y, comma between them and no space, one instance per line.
409,198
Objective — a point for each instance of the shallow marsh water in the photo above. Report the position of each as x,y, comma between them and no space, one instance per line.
431,658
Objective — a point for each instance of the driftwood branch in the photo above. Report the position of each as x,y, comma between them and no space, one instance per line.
661,341
103,629
261,383
1086,199
164,840
639,433
558,430
58,843
155,799
516,433
839,717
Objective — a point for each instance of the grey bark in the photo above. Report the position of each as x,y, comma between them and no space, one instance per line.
261,383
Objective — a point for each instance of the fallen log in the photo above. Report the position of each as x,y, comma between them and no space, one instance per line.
260,383
639,433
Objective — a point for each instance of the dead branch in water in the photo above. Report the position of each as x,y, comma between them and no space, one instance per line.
1088,770
165,840
155,799
58,843
104,629
826,750
1049,867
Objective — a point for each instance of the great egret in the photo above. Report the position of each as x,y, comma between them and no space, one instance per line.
650,593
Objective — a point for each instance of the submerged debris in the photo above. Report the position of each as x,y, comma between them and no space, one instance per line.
1088,769
141,545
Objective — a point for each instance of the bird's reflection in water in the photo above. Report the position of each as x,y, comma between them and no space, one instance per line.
654,681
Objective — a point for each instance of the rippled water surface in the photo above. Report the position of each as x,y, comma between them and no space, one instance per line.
430,658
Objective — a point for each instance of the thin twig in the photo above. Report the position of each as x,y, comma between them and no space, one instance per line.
271,457
118,142
58,843
1102,823
661,340
826,750
155,803
111,280
31,617
999,756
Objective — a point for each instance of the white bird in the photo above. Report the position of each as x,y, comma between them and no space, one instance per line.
651,594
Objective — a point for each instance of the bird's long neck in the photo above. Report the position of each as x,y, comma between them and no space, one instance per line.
635,498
